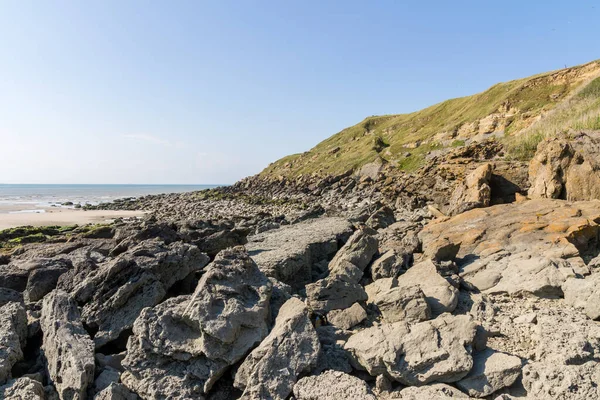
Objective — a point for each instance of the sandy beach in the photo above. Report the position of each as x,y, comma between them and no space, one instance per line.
58,216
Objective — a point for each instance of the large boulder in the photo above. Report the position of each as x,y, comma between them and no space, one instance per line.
355,255
440,295
22,389
520,248
292,348
13,334
182,346
34,277
288,253
67,347
341,289
431,351
491,372
333,293
346,319
115,294
403,304
584,294
115,391
566,169
332,385
473,192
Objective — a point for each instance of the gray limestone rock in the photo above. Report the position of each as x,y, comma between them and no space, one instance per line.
440,295
433,351
292,348
288,253
491,372
403,304
67,347
22,389
332,385
116,293
182,346
13,334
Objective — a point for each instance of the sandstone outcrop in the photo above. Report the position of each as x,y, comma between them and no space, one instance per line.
566,169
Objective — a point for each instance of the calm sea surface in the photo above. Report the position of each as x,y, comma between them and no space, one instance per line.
52,195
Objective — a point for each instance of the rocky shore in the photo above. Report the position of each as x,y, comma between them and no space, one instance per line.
473,277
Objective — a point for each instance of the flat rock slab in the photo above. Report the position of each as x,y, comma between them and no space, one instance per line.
519,248
288,253
491,372
332,385
431,351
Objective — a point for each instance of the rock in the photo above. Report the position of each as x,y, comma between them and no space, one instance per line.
288,253
332,385
352,259
34,277
346,319
182,346
334,293
529,318
113,361
42,281
474,192
13,334
431,351
67,347
380,285
389,265
292,348
115,391
573,382
341,289
491,372
22,389
107,377
519,249
406,303
9,295
441,249
381,218
566,169
440,295
584,294
437,391
115,295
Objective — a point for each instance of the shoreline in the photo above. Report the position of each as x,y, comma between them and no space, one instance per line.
59,216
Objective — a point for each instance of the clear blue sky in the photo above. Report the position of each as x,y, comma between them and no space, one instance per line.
210,92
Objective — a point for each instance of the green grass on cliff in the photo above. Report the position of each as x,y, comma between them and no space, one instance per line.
581,112
405,139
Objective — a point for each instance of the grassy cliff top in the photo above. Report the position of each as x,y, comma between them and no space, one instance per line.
519,112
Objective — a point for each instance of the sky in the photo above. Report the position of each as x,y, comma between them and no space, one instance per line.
208,92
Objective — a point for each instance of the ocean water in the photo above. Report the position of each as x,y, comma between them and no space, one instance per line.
34,198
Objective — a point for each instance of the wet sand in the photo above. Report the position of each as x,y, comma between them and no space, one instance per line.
58,216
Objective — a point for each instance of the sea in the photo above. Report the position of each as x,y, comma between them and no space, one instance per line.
34,198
